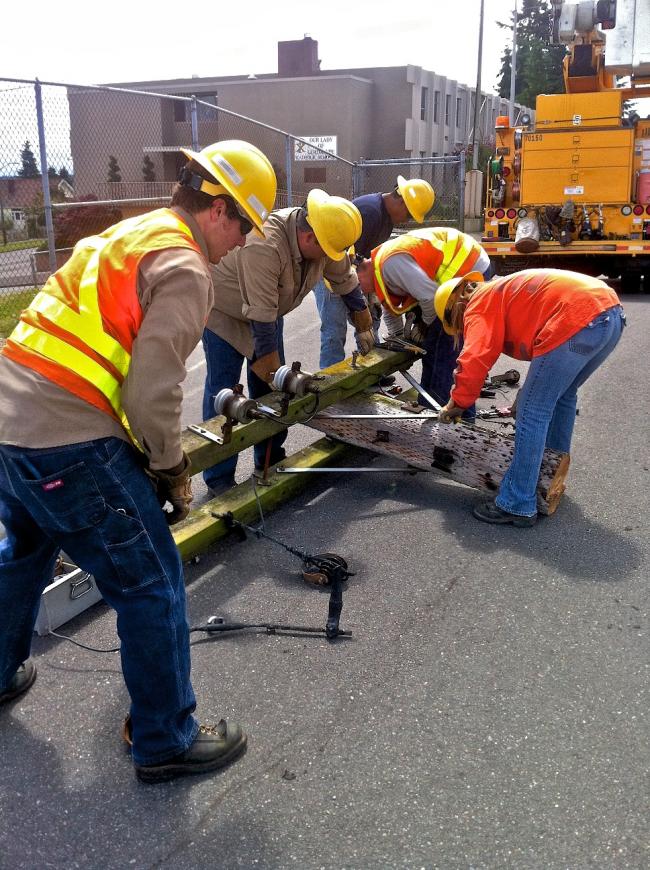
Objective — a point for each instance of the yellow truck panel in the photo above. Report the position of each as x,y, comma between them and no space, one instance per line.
586,166
578,110
585,184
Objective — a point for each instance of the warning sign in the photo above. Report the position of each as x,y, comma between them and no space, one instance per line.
301,151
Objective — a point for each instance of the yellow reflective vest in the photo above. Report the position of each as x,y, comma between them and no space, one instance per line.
441,252
79,329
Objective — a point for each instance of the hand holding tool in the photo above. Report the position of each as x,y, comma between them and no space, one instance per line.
415,329
362,321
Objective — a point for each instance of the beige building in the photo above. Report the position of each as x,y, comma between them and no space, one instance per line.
371,113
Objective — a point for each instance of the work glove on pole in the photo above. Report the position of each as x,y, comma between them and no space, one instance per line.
173,485
362,321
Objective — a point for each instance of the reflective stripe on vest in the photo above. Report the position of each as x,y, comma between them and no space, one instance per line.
91,363
440,253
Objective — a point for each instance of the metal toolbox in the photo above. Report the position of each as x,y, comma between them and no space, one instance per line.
67,596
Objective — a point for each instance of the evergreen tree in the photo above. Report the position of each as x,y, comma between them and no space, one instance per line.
113,169
148,171
64,175
539,62
30,167
52,173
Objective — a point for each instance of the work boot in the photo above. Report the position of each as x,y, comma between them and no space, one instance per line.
214,747
386,380
490,512
22,680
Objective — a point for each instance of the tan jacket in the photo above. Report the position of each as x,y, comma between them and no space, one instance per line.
267,279
175,292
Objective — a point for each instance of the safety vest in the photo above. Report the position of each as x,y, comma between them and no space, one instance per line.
79,330
440,252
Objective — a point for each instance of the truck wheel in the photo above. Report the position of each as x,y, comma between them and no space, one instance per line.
631,282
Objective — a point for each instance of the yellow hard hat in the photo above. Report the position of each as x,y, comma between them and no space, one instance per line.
444,292
336,222
242,172
418,196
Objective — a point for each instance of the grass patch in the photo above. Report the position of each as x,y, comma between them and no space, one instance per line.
19,246
10,308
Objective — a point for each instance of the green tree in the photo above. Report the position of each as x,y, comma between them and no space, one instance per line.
539,62
52,173
113,169
148,171
30,167
64,175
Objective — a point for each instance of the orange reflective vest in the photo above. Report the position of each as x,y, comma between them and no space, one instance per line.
440,252
79,330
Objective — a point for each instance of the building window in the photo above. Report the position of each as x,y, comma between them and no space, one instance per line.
207,113
424,99
458,112
315,175
17,214
447,108
436,106
183,109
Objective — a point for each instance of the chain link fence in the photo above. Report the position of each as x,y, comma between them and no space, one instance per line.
445,174
76,159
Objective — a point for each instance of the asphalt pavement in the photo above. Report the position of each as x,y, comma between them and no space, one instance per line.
490,710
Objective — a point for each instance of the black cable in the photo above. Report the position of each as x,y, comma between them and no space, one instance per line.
83,645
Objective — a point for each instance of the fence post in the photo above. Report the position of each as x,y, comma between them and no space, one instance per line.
194,117
45,178
288,169
461,192
356,172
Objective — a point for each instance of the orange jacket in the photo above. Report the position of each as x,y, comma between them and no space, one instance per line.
79,330
524,315
440,252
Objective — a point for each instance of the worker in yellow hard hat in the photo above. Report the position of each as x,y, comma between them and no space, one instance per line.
566,324
95,365
380,212
260,283
406,274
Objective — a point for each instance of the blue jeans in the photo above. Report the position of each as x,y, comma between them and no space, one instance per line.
546,407
334,319
438,366
94,501
223,370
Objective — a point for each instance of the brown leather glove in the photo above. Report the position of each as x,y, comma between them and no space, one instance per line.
415,329
174,485
450,413
362,321
267,365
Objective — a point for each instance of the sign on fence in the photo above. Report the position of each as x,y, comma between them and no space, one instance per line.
304,152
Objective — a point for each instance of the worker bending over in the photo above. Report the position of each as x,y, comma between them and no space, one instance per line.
405,273
412,199
257,285
90,443
567,324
